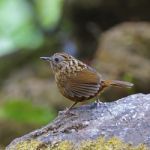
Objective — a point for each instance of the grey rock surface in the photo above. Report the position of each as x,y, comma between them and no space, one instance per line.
128,119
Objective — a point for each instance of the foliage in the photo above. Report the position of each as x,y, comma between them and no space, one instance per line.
26,112
19,23
49,12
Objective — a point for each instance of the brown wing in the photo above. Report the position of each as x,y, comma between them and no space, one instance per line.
83,85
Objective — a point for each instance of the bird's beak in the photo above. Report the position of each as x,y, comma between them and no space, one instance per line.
46,58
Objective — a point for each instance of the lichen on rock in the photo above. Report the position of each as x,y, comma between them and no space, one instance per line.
98,144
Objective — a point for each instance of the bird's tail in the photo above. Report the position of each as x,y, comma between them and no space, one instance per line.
117,83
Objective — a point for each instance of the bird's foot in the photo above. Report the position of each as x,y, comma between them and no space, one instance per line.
103,105
67,111
98,102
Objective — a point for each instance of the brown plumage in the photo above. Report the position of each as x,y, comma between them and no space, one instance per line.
78,81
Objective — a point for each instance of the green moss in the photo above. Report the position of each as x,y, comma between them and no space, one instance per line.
30,145
65,145
111,144
98,144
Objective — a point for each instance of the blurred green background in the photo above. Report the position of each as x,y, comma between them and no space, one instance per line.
113,36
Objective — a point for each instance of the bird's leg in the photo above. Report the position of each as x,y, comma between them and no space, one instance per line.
72,105
68,109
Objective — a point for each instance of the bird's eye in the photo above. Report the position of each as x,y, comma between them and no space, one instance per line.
56,59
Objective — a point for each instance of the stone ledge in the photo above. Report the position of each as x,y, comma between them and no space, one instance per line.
127,119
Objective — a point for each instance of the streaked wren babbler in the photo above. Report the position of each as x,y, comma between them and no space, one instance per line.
78,81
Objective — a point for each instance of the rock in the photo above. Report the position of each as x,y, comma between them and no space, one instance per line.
127,119
124,53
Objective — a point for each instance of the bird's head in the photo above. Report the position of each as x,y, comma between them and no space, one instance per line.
58,61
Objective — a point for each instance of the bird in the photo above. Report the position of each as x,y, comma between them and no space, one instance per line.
78,81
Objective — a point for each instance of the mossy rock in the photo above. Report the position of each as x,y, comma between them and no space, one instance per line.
98,144
108,126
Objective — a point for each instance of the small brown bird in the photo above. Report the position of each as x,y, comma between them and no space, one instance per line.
78,81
